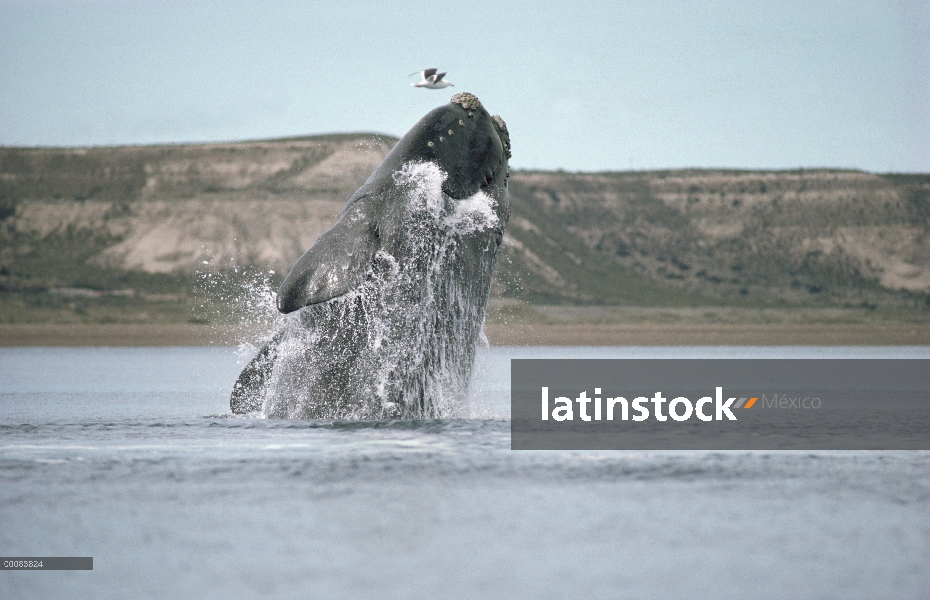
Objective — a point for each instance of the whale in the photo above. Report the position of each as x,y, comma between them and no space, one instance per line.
381,317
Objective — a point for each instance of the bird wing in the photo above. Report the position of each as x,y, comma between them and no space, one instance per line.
427,73
438,77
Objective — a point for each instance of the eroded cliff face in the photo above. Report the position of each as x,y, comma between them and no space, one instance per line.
649,238
801,236
173,208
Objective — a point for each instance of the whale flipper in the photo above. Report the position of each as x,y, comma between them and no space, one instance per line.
249,391
336,264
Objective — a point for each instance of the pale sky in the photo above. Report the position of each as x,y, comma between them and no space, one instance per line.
582,86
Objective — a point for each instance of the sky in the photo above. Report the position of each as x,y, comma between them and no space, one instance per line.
612,85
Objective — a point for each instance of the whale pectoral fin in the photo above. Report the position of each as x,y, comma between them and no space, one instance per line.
249,390
336,264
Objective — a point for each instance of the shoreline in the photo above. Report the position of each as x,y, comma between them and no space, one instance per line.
522,334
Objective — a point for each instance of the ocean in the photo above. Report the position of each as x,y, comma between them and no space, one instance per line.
131,456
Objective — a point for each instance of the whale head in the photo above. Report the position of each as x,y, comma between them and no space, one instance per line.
463,139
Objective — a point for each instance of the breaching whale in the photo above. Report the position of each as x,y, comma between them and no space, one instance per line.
385,310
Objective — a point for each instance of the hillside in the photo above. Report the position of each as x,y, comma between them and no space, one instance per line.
813,238
145,233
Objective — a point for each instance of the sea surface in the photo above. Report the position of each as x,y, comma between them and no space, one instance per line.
130,455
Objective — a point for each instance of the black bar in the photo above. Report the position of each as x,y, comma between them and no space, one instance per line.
47,563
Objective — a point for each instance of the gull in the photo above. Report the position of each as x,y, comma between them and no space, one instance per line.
431,80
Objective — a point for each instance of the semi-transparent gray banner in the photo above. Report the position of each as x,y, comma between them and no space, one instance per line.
688,404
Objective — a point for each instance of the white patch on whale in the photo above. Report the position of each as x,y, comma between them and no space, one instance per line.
423,181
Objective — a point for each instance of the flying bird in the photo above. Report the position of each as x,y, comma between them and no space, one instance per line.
431,80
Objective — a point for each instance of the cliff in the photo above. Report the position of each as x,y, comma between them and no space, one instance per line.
146,222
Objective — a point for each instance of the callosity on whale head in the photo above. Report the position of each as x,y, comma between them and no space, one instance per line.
469,145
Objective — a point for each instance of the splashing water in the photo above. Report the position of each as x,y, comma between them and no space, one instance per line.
402,344
423,183
240,302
